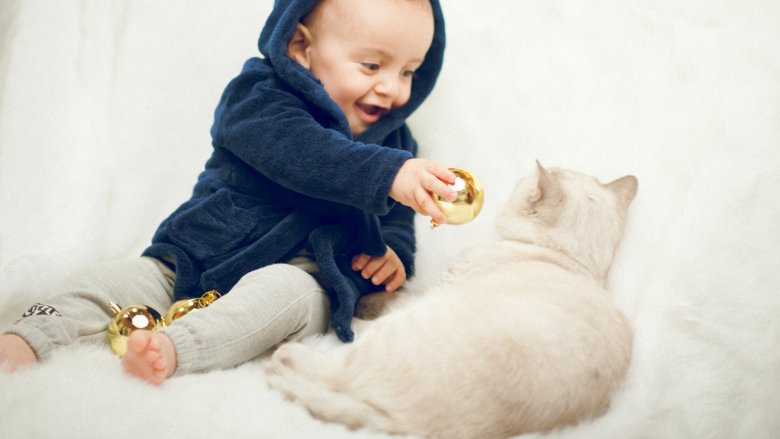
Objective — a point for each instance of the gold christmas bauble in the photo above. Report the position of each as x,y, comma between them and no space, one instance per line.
182,307
127,320
468,203
130,318
210,296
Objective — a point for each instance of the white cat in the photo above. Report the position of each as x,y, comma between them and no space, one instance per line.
520,336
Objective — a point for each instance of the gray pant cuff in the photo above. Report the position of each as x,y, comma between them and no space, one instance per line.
35,337
188,348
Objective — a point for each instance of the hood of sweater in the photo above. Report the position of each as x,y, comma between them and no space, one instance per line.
280,27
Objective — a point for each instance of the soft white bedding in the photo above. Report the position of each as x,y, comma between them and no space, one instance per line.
105,109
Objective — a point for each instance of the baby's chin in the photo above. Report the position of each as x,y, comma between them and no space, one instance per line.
358,128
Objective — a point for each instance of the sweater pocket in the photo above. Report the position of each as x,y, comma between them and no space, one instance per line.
213,227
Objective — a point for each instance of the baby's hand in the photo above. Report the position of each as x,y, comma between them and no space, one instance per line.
415,182
387,269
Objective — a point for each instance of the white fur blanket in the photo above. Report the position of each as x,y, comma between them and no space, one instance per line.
105,109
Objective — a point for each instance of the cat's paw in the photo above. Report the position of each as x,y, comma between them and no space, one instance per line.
280,361
300,359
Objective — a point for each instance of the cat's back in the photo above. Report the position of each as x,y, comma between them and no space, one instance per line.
506,267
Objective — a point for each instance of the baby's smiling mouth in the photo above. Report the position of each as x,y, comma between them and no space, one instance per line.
371,113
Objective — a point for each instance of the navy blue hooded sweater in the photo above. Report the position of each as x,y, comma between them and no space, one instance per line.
286,173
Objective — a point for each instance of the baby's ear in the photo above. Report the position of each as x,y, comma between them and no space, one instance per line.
547,187
298,47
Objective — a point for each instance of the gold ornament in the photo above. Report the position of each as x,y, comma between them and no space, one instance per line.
182,307
468,203
127,320
130,318
210,296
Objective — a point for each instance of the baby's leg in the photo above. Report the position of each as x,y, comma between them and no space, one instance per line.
150,356
267,306
15,353
81,309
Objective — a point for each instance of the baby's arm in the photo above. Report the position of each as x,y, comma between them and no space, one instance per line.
386,269
417,180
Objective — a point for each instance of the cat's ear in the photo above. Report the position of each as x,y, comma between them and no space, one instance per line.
547,187
625,188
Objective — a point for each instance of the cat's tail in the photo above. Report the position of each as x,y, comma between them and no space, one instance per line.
307,376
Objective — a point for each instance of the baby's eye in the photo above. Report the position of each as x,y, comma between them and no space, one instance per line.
371,66
409,74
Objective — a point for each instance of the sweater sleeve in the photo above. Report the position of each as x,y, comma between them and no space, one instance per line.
275,133
398,225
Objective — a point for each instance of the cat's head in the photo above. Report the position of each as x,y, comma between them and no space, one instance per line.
569,212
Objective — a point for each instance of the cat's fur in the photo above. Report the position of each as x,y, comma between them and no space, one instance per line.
520,336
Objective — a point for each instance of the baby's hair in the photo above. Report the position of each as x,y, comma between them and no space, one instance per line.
305,20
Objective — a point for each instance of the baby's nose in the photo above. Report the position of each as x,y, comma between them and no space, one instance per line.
387,85
394,89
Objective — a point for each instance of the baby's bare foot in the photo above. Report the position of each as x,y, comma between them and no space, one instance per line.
15,353
150,356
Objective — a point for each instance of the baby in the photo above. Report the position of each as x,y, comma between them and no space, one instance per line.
305,204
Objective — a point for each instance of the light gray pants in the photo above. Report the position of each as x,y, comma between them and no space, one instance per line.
267,306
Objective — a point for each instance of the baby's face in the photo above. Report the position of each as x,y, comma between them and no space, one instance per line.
365,53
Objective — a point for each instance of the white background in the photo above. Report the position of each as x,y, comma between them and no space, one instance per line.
105,109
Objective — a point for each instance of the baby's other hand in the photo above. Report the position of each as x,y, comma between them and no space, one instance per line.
387,269
415,182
